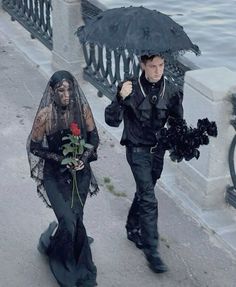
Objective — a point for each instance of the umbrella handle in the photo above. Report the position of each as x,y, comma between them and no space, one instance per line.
131,69
131,75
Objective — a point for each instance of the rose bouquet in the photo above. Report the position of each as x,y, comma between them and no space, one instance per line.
183,141
72,150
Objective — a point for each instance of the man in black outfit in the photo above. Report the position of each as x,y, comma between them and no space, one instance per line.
145,105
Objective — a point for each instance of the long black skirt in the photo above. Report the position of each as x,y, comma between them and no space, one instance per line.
68,248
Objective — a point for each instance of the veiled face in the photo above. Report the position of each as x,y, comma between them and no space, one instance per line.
63,93
153,69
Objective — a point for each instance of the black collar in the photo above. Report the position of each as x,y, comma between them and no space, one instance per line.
148,86
151,90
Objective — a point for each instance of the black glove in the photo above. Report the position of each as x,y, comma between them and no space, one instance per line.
37,149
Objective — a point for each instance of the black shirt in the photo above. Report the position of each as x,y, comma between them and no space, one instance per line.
144,111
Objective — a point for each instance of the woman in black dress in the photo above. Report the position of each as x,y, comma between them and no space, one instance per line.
66,243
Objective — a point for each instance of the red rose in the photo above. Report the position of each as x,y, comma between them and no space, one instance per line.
75,130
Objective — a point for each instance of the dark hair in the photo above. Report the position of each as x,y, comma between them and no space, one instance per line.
59,76
146,58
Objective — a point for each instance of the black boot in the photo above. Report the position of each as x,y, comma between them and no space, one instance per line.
155,262
90,240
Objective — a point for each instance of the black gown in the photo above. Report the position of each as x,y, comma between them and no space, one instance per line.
68,248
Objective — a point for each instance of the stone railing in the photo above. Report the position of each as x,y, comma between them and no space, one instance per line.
207,94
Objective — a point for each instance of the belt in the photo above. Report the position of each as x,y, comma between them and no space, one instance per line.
150,149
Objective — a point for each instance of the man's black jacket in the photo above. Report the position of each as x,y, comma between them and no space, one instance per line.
145,111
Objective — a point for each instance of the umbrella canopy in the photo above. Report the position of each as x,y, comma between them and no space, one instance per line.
139,30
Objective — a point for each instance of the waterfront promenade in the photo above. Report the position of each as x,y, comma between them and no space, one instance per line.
195,255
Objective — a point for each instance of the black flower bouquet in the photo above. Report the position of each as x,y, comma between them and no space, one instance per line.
183,141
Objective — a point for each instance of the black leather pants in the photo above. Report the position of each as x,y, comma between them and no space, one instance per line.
143,213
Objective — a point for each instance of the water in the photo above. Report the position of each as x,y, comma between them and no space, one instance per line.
211,24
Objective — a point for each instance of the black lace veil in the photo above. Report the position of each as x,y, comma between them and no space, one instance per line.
58,118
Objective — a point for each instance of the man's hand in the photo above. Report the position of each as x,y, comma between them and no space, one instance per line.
126,89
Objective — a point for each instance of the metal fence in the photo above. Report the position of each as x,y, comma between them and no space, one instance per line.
34,15
105,69
230,196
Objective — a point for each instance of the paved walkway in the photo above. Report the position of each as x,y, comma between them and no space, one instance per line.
195,256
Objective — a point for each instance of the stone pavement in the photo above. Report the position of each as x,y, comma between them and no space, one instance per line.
196,256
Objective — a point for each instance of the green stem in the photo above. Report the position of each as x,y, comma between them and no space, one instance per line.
73,191
74,151
76,186
74,179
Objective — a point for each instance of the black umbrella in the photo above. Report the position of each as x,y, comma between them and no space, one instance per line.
139,30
